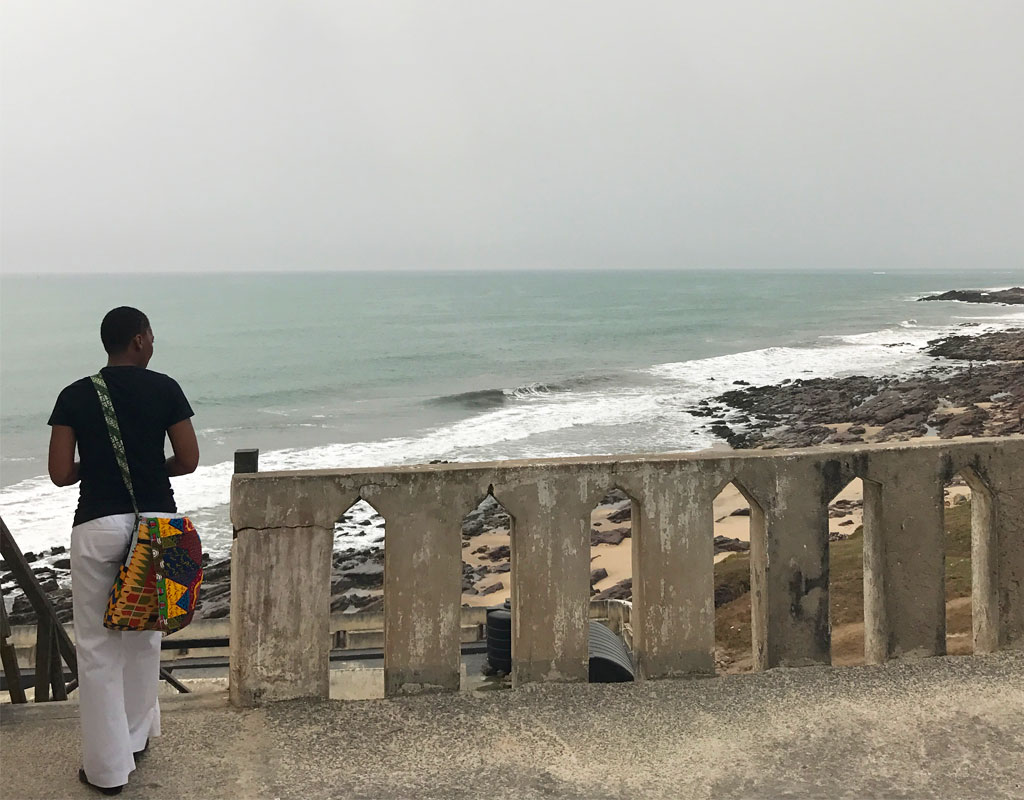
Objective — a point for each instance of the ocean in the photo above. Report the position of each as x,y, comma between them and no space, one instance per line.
336,370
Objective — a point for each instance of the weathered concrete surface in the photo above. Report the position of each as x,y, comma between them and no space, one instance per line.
550,501
673,589
423,583
931,728
278,649
903,530
551,584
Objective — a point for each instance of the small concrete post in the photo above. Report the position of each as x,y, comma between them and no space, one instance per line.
247,461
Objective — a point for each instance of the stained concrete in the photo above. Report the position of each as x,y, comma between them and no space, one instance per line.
550,501
947,727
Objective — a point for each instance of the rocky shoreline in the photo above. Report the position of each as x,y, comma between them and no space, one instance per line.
980,394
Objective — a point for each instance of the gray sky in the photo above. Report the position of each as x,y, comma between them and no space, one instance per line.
410,134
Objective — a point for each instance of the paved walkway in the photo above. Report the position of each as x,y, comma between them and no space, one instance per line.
943,728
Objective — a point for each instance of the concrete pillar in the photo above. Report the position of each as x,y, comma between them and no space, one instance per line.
789,555
904,555
550,575
996,476
423,584
280,608
673,579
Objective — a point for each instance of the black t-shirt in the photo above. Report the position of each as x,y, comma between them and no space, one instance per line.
147,403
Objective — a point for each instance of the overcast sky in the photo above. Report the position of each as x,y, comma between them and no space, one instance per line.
411,134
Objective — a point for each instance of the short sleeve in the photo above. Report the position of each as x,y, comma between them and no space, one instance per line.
178,408
62,410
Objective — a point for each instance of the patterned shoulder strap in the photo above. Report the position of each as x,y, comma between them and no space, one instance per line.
114,430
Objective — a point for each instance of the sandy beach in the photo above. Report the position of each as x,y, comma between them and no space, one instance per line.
845,516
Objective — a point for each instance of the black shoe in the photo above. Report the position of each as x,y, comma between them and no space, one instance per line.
108,790
139,753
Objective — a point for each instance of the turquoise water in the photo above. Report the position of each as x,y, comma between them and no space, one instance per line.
361,369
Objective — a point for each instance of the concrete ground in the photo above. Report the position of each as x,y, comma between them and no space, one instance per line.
940,728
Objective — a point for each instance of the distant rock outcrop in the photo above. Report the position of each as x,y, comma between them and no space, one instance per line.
1011,297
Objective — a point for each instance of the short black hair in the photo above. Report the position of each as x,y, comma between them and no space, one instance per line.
120,326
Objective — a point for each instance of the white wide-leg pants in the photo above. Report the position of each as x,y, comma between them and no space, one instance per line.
118,671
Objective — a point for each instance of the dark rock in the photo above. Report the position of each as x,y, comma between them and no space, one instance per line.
486,517
598,575
613,536
892,404
30,556
614,497
723,544
856,430
494,587
993,346
1014,296
500,552
57,550
375,606
62,563
911,424
21,605
847,522
969,423
218,612
624,514
623,590
503,567
741,512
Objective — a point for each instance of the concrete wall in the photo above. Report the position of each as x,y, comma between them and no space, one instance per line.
283,521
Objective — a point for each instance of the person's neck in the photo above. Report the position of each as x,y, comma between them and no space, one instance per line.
122,361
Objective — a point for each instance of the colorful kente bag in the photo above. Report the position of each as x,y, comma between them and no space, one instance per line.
157,586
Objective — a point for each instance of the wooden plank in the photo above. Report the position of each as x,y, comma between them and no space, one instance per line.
44,646
41,604
56,668
9,659
166,675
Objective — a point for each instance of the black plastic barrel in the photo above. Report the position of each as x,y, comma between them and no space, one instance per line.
499,639
609,658
610,661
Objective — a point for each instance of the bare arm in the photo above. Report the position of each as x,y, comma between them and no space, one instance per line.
62,466
185,447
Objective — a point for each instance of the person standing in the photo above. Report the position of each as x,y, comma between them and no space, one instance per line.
118,671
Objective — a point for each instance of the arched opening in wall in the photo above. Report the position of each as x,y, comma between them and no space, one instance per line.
846,574
611,588
357,604
734,650
957,502
487,587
